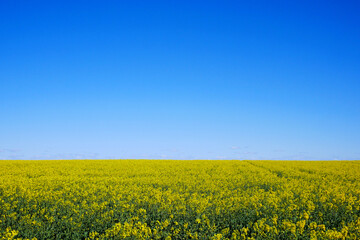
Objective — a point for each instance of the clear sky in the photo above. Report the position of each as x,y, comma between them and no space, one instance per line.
180,79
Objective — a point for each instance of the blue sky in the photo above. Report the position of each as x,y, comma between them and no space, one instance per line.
180,79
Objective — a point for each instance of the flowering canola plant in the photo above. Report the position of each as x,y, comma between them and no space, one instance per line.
168,199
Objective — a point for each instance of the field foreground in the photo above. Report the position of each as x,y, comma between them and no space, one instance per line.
157,199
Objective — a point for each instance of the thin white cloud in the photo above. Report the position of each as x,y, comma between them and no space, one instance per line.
9,150
60,156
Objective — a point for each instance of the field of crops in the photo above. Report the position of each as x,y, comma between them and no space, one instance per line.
148,199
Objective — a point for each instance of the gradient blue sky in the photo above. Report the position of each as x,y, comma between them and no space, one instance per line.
180,79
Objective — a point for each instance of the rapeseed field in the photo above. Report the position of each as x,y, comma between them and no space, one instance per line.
158,199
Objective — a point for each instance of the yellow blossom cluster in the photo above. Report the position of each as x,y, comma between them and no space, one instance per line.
168,199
